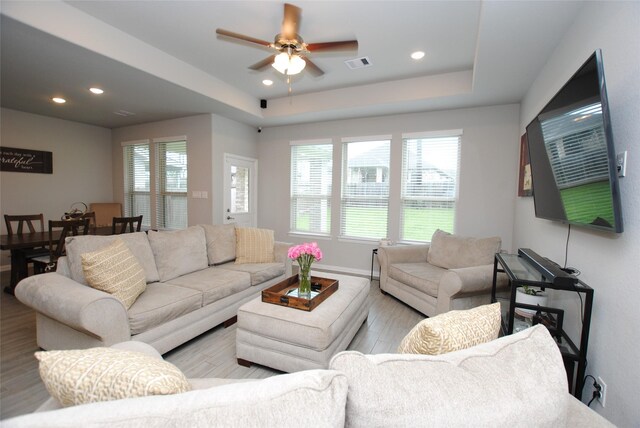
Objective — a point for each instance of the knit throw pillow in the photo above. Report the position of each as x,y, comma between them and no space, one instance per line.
115,270
254,245
102,374
453,331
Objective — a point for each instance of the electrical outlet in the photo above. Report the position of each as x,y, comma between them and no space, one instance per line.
603,392
621,163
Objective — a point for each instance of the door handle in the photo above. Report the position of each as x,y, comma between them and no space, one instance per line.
230,218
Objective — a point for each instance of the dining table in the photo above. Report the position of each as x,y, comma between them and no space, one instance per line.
16,244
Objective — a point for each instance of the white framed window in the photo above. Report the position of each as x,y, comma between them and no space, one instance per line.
365,188
155,182
430,164
311,182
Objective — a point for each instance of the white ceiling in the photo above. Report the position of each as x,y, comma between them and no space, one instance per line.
162,59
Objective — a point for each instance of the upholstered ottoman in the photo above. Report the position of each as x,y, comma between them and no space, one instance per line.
291,340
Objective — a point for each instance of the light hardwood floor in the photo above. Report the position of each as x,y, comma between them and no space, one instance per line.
210,355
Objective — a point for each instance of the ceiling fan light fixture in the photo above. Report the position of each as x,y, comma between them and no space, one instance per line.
288,64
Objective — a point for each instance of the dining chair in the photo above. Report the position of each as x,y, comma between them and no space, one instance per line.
48,263
121,224
105,211
91,215
31,221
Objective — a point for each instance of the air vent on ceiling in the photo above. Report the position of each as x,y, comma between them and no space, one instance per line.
358,63
123,113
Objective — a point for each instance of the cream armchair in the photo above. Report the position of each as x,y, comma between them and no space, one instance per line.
452,272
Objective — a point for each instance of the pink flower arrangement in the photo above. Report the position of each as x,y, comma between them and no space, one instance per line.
307,252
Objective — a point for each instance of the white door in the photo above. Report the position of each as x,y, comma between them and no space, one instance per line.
240,190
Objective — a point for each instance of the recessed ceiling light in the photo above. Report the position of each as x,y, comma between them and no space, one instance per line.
267,82
58,100
96,91
417,55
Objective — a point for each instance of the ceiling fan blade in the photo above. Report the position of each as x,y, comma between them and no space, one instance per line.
312,68
238,36
291,21
263,64
345,45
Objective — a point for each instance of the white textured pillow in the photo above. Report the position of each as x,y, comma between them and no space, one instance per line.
254,245
179,252
115,270
453,331
102,374
515,380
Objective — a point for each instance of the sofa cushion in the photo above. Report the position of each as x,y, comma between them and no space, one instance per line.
313,398
221,242
214,283
501,383
101,374
179,252
254,245
161,303
422,276
452,251
259,272
137,242
115,269
453,331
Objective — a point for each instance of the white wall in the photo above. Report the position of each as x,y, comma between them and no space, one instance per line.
609,262
197,129
488,177
82,166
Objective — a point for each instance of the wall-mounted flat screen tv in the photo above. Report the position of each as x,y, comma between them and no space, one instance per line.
572,155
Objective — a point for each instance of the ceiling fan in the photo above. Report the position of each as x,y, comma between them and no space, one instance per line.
291,51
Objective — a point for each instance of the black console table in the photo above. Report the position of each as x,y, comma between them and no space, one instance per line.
520,272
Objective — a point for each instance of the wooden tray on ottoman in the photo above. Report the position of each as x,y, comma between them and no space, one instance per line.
285,293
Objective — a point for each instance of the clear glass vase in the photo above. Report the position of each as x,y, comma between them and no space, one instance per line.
304,284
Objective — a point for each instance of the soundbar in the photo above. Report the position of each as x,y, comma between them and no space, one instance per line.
548,269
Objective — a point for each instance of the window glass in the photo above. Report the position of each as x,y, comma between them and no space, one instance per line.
365,189
429,186
311,181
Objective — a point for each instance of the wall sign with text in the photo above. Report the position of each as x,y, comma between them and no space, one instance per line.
24,160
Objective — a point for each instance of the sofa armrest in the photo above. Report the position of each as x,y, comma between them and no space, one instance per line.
76,305
388,255
456,283
280,250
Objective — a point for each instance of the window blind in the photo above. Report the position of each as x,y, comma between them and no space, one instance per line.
365,189
171,200
155,183
429,186
137,182
311,181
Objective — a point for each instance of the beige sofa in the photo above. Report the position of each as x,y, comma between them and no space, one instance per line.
518,380
452,272
192,286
